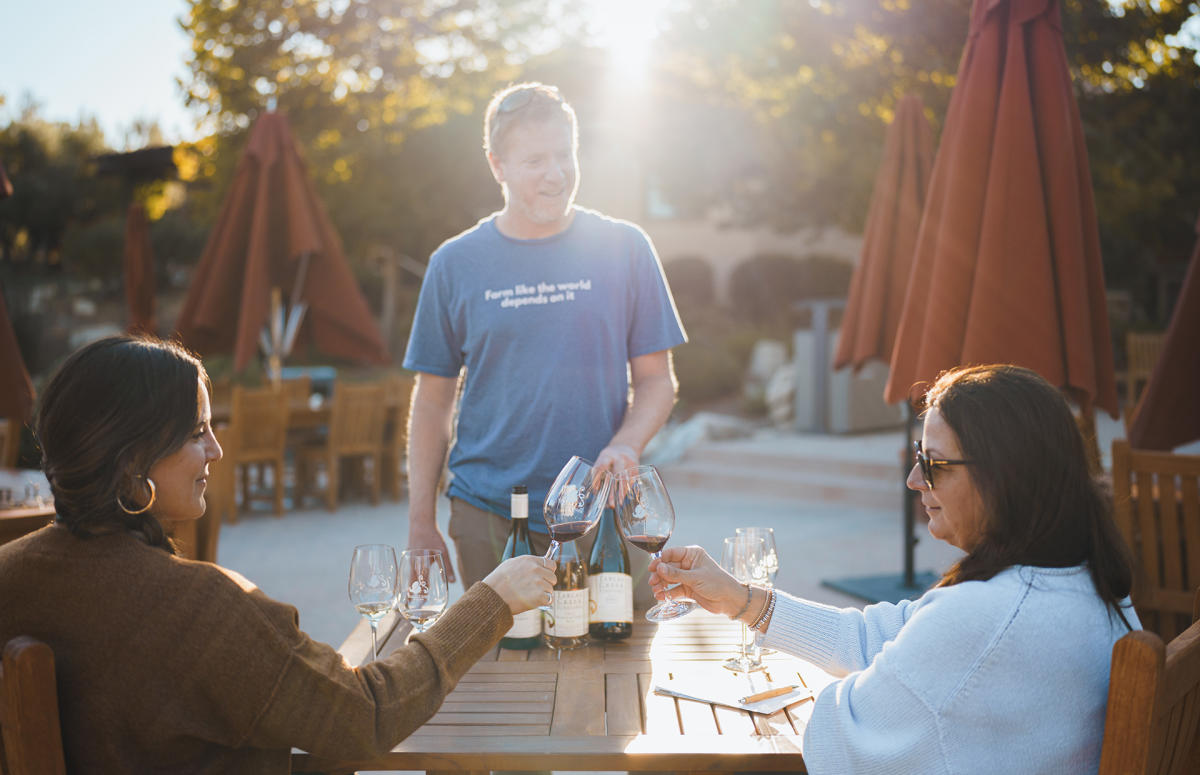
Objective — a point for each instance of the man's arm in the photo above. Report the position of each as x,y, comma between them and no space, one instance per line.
654,388
429,421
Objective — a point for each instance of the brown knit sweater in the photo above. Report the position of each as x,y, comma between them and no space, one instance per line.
169,665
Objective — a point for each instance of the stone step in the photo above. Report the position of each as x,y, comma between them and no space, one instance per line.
799,484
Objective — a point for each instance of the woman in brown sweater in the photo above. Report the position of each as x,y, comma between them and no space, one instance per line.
170,665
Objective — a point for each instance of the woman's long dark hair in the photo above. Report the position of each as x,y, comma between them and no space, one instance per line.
112,410
1041,505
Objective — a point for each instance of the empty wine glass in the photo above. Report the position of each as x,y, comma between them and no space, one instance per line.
574,504
770,553
772,561
745,559
372,585
646,518
423,592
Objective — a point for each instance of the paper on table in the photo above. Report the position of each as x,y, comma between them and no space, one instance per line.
720,686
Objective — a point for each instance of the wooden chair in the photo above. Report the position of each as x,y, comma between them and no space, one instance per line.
257,433
1157,508
399,392
1152,724
10,442
29,726
356,425
1141,354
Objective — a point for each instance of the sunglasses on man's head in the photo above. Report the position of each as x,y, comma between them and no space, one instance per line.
522,97
927,463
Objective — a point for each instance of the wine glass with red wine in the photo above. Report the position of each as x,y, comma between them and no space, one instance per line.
646,518
574,504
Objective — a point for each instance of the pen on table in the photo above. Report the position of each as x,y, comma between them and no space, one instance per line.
768,694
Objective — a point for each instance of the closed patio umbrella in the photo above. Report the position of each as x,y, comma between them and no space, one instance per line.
1168,414
139,271
880,280
273,232
1007,264
16,389
877,292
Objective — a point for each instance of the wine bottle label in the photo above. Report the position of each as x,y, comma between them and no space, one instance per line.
526,624
611,597
569,617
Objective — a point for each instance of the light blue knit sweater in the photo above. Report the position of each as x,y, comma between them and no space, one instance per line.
1005,675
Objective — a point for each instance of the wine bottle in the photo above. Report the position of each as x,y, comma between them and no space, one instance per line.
527,626
610,587
566,626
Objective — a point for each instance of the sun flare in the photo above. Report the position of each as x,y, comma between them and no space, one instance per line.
627,29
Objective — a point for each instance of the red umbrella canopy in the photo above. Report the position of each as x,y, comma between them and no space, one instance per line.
1168,414
271,219
1007,264
139,271
880,280
16,389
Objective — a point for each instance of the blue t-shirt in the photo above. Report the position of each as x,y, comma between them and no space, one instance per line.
545,329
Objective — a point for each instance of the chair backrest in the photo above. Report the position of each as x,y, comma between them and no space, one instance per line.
1152,724
297,390
258,424
1141,352
357,423
29,725
1157,508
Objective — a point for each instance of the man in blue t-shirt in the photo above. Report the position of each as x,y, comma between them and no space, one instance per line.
556,322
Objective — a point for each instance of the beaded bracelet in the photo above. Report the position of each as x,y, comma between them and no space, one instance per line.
738,615
769,609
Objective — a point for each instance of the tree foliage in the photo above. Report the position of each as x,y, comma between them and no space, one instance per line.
54,186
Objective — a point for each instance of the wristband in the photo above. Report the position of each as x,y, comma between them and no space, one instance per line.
768,609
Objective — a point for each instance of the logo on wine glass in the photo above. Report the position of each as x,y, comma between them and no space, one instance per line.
641,513
417,588
569,501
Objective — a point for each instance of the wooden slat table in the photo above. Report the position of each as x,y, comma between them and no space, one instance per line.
594,708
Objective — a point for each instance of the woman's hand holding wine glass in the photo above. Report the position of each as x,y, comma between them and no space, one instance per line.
522,582
646,518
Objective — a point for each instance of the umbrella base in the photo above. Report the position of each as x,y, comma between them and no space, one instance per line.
889,589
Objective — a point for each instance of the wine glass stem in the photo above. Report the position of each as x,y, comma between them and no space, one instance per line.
549,555
658,556
745,635
374,645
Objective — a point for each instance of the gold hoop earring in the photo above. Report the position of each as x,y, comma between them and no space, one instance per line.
143,509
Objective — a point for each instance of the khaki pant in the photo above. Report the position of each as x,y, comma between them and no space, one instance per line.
479,538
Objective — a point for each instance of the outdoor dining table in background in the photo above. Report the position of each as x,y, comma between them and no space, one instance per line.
16,516
594,708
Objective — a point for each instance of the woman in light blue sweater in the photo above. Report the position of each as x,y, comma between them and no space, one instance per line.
1004,665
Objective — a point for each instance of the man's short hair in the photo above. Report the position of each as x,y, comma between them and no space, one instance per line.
522,104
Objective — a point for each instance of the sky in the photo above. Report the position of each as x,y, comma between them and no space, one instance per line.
116,61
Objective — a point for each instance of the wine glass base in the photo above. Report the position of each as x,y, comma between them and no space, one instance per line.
670,609
742,665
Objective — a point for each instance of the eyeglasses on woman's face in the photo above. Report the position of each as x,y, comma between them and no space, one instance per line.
928,463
